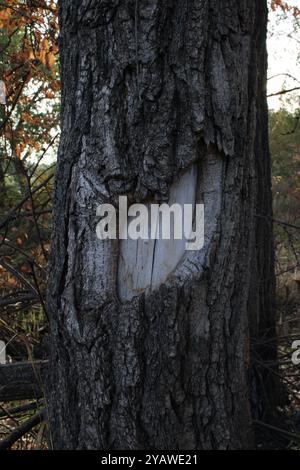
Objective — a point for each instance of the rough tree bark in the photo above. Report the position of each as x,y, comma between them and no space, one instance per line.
160,100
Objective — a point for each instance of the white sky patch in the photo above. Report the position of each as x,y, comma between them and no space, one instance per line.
284,52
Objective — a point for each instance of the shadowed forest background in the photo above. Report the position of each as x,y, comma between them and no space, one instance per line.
29,135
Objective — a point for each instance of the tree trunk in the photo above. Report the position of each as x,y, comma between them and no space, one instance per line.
161,101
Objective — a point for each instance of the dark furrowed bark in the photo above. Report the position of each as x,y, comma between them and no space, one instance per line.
149,90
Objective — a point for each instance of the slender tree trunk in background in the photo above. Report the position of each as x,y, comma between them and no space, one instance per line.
267,391
161,101
2,183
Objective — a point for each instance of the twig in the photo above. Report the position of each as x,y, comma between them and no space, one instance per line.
18,276
280,222
284,74
295,437
283,92
20,409
25,198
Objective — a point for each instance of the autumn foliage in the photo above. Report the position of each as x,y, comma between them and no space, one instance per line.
285,6
28,42
28,138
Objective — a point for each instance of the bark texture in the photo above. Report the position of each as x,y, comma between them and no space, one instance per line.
149,89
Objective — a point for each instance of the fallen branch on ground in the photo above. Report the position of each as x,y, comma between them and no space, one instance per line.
293,436
16,410
22,380
24,428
